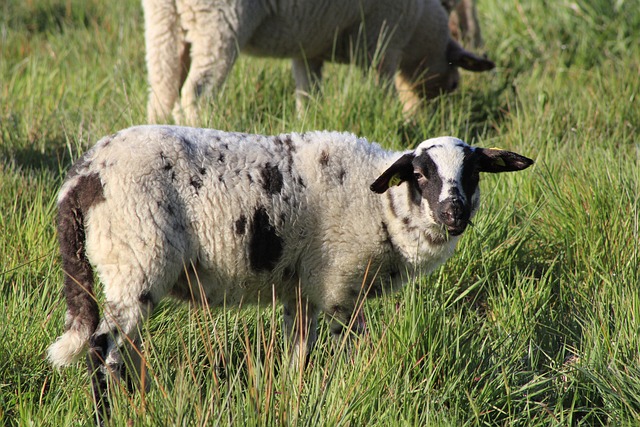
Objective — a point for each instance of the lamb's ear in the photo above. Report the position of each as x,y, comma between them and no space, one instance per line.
459,57
496,160
400,171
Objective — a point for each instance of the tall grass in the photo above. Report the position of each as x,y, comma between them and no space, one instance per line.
533,322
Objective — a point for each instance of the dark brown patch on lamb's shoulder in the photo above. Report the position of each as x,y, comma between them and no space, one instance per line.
265,246
272,180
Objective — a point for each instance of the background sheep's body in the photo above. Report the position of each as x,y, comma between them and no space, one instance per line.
192,44
231,218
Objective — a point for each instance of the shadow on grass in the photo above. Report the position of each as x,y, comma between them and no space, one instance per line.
54,158
42,17
486,111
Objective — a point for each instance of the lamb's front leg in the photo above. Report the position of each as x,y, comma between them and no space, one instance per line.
346,323
300,324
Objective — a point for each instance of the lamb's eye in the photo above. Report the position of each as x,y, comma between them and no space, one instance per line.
418,176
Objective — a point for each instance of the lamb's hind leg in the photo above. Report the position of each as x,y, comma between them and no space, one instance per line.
111,345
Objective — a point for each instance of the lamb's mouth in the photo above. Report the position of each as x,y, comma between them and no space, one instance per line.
457,229
443,233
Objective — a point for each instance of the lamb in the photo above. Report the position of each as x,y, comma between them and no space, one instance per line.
212,217
191,46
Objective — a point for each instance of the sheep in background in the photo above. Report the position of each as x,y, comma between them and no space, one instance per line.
157,209
193,44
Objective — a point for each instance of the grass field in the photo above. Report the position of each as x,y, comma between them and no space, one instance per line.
535,320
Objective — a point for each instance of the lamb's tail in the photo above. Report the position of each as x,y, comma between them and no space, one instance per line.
78,194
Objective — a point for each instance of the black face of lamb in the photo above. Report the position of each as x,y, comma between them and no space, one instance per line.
427,180
265,246
455,210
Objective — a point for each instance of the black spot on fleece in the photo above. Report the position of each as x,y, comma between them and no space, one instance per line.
265,246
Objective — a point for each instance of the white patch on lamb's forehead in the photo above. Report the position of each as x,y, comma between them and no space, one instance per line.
443,144
448,154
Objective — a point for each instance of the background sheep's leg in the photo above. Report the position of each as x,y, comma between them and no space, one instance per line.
307,74
301,324
216,34
164,48
206,73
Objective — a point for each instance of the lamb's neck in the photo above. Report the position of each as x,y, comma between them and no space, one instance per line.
413,231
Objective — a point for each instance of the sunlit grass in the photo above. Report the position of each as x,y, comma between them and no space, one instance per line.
534,321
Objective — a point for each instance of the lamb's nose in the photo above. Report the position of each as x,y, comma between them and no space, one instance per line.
452,215
450,211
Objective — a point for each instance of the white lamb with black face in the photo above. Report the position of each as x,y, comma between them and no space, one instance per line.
233,218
